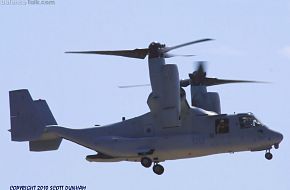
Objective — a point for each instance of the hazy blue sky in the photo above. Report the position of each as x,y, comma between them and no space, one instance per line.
252,42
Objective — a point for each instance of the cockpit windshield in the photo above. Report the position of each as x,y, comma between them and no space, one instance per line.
249,121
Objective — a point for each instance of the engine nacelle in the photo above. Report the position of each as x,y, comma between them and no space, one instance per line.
209,101
165,99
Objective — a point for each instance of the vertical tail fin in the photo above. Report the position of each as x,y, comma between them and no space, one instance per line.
28,121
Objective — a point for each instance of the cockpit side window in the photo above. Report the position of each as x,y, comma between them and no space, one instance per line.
248,122
222,126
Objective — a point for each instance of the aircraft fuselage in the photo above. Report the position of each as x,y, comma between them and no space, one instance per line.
199,135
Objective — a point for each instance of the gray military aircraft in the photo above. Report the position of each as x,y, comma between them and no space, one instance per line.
171,130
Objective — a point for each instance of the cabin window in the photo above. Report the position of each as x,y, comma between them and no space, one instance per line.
222,126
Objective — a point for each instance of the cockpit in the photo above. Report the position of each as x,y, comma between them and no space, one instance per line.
249,121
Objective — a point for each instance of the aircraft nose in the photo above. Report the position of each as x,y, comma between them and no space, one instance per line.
279,137
276,137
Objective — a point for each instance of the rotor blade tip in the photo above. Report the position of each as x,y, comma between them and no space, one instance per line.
209,39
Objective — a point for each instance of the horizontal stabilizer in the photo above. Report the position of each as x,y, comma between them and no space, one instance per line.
45,145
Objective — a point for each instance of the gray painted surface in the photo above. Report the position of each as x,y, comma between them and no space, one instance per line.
171,130
131,139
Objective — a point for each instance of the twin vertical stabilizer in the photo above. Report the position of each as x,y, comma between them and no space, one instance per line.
28,121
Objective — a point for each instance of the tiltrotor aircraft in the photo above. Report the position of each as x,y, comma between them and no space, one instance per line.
171,130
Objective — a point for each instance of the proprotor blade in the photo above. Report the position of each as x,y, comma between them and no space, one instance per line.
185,82
167,49
155,50
201,67
199,78
216,81
136,53
169,55
133,86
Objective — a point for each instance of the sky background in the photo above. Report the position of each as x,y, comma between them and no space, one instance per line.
252,42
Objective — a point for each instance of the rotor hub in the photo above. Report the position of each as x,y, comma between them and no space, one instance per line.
155,50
